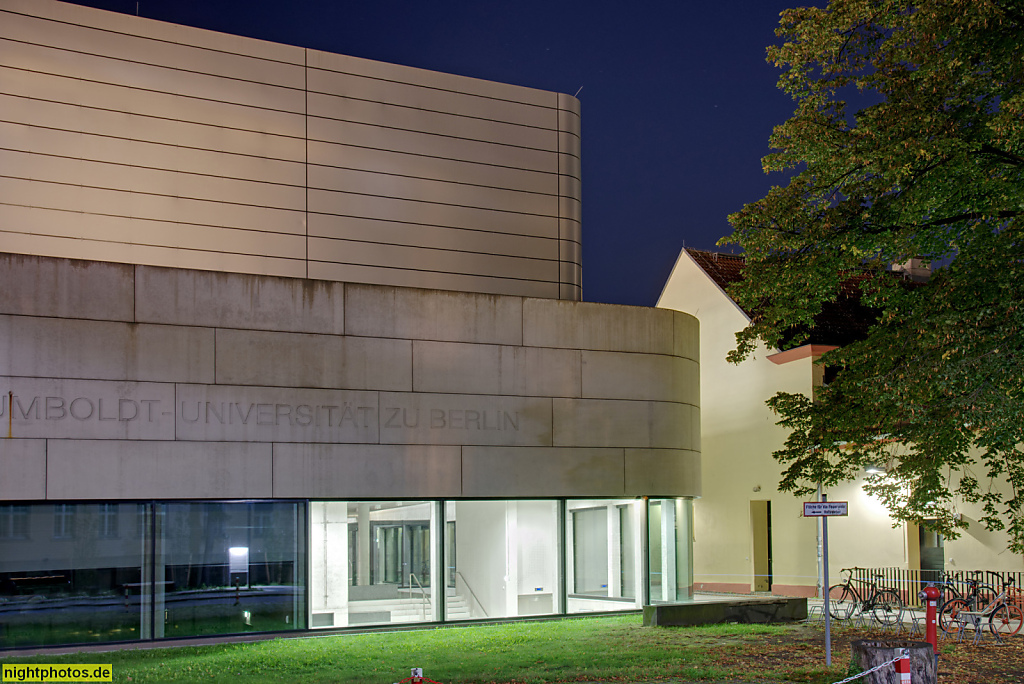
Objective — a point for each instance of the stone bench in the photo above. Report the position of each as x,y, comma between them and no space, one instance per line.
746,610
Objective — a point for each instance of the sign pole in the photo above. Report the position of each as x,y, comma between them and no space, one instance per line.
825,606
824,509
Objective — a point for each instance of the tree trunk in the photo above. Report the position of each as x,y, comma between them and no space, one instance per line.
868,653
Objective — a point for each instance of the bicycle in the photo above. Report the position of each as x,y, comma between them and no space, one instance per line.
885,605
1005,617
978,594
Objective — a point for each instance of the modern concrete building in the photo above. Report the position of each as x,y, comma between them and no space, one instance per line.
748,536
292,340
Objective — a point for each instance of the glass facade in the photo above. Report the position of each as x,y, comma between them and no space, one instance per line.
604,554
372,563
502,559
83,572
77,572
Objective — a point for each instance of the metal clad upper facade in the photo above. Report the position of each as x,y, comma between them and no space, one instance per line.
130,140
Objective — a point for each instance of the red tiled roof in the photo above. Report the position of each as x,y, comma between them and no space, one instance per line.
840,322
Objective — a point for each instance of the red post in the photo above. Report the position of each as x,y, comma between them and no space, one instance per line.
931,597
903,666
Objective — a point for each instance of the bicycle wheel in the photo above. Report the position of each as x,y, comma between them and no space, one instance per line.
949,615
1006,620
887,606
841,599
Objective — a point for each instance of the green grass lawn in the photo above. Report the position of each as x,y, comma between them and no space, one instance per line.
600,648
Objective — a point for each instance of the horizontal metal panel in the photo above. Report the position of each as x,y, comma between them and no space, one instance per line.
436,237
393,115
151,207
160,79
569,144
146,50
570,252
134,101
390,209
568,103
156,29
120,230
443,261
422,190
433,79
569,165
569,122
569,229
431,99
354,273
31,242
570,208
445,147
28,138
75,118
435,168
570,293
570,187
569,272
136,179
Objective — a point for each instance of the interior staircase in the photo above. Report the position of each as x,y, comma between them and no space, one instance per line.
407,607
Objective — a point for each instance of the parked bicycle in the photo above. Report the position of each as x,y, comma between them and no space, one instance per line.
885,605
1005,617
977,596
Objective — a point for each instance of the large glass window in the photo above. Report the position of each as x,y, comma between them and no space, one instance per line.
96,572
670,546
224,568
501,559
603,554
63,579
372,562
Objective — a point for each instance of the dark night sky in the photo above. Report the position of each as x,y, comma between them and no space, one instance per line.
678,100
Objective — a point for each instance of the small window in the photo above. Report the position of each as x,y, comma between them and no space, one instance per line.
13,522
63,521
108,520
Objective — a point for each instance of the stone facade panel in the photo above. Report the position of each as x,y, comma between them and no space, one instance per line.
246,357
346,471
111,470
73,348
494,369
23,463
232,300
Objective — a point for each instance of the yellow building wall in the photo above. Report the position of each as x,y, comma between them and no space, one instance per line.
738,436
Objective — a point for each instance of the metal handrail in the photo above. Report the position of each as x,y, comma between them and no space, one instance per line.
472,593
427,607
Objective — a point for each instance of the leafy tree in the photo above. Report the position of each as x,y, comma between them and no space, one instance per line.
931,166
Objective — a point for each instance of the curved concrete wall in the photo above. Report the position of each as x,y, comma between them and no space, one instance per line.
131,140
136,382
